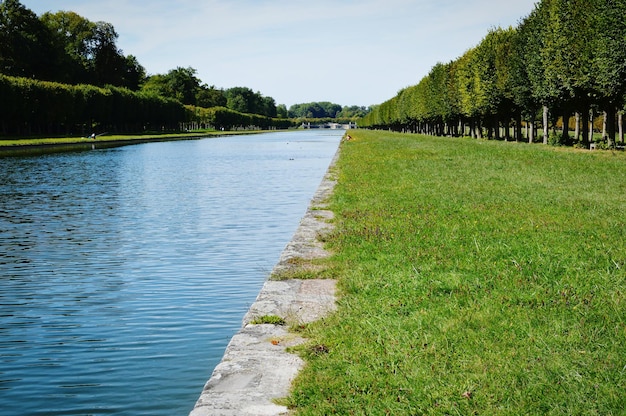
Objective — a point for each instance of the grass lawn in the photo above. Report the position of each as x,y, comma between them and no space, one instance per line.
41,141
476,277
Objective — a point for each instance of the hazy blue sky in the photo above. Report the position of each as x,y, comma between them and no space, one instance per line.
345,51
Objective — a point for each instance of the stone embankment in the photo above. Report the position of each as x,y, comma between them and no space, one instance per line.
256,368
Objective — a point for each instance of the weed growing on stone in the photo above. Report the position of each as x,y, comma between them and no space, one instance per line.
268,319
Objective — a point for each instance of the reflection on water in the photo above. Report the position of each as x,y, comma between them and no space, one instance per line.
124,272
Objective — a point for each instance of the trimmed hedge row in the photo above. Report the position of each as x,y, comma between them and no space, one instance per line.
565,60
222,118
32,107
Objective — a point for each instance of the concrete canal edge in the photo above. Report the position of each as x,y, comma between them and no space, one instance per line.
256,368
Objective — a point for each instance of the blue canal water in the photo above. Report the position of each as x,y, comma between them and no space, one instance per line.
124,272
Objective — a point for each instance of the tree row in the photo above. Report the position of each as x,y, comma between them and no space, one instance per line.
325,109
31,107
67,48
562,65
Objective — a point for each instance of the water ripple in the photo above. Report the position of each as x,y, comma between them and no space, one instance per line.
124,272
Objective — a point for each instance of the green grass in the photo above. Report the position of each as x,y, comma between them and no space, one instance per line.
268,319
39,141
475,277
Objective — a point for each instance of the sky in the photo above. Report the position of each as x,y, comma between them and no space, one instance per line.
347,52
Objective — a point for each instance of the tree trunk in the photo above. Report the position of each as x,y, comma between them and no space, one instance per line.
565,133
610,121
577,128
585,127
620,126
591,125
495,128
479,129
604,116
531,133
526,129
545,124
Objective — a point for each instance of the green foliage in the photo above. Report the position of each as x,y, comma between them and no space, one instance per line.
322,109
269,319
178,84
609,59
352,112
566,55
244,100
210,97
23,41
63,47
475,278
66,48
32,107
281,111
222,118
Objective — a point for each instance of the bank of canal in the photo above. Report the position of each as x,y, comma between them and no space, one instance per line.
257,368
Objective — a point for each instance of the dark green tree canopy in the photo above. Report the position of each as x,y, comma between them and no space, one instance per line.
323,109
208,97
66,48
565,57
24,42
63,47
353,111
244,100
180,84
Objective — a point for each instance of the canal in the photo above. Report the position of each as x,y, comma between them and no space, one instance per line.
124,272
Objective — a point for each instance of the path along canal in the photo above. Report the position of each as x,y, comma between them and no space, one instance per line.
124,272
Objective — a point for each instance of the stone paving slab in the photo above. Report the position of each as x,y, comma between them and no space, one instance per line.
256,368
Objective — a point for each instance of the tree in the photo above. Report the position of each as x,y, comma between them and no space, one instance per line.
208,97
238,103
180,84
86,52
532,33
23,42
505,66
471,98
184,83
522,56
281,111
244,100
71,37
330,109
567,54
109,64
608,63
241,99
157,85
268,107
323,109
353,111
134,73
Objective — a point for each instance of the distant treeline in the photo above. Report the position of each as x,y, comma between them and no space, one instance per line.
567,59
67,48
63,74
31,107
222,118
325,109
